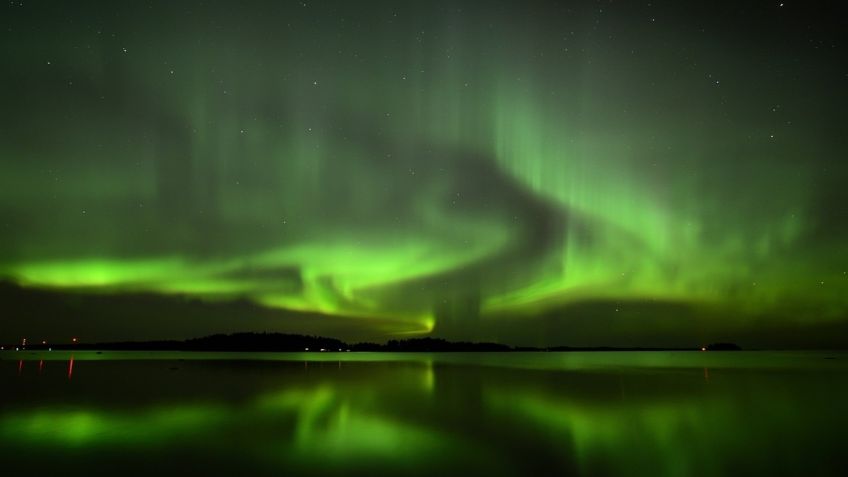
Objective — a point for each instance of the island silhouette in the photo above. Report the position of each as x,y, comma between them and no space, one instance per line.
286,342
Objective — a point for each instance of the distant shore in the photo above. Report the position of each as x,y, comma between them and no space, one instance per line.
281,342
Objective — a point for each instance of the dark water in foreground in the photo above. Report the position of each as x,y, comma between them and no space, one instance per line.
657,414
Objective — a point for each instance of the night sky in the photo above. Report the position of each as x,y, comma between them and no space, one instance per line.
589,173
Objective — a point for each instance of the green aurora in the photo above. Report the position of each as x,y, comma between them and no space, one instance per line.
544,173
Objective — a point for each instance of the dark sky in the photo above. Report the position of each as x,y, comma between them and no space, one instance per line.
585,173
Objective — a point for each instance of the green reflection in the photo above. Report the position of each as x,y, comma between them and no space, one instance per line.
96,427
669,414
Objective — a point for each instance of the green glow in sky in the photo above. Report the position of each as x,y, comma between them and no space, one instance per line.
440,166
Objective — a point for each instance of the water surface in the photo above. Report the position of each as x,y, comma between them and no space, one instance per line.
624,413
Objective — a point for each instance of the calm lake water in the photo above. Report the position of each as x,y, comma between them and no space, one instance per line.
637,413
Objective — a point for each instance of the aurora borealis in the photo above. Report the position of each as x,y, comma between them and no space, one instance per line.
588,173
